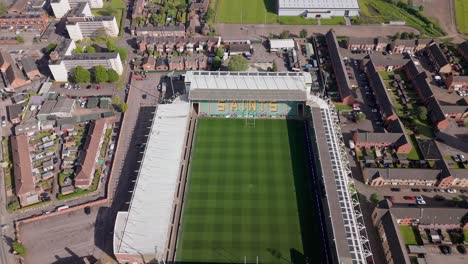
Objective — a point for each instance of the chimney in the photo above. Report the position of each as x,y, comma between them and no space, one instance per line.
54,56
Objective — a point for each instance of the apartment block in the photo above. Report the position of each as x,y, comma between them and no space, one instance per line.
87,27
63,61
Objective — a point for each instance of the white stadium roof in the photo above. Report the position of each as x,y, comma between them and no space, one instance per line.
145,227
286,86
318,4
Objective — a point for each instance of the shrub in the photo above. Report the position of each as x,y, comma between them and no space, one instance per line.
19,248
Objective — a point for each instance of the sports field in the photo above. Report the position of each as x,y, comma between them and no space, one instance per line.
461,10
247,195
246,11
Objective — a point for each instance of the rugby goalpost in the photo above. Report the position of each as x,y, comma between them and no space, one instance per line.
250,118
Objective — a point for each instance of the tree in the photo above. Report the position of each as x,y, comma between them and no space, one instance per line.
3,9
20,39
396,36
456,200
13,205
361,117
90,49
113,76
274,67
78,50
81,75
219,52
49,48
19,248
284,34
110,44
421,8
404,35
375,198
238,63
303,33
210,14
116,100
100,74
123,107
421,111
216,63
411,35
122,52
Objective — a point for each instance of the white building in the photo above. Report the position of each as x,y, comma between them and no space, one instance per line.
63,62
318,8
86,27
281,44
60,7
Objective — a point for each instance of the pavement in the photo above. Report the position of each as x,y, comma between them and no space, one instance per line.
263,31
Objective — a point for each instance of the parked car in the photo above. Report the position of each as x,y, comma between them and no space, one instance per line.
419,198
395,189
461,249
444,250
415,189
409,198
427,190
421,202
451,191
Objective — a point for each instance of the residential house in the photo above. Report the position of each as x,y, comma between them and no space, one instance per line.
401,176
341,77
455,111
463,50
5,60
436,113
86,170
403,45
37,21
176,63
382,97
390,236
25,184
356,43
413,69
149,63
460,178
438,59
161,64
239,49
29,67
138,8
15,113
387,63
396,140
456,82
161,31
29,127
18,6
191,63
423,43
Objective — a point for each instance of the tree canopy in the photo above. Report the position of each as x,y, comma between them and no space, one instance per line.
219,52
238,63
90,49
100,74
81,75
113,76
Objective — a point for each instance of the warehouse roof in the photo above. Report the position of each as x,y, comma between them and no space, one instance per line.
283,86
318,4
146,226
281,43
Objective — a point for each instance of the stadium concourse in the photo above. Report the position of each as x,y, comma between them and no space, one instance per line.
151,228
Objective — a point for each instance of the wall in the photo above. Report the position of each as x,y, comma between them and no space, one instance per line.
250,108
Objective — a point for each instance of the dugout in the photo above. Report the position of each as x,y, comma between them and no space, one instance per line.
248,94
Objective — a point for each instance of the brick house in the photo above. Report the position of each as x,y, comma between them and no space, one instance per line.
436,113
463,50
149,63
397,176
438,59
161,64
456,82
25,183
191,63
397,140
403,45
176,63
354,43
161,31
37,22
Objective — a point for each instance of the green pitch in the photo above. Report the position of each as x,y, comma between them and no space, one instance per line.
461,12
246,11
247,195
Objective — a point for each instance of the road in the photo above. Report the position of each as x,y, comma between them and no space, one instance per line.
261,31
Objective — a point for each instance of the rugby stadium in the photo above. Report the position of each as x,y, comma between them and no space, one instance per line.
243,168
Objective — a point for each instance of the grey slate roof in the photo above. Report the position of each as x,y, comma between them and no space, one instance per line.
413,69
438,55
379,137
403,174
382,95
29,64
435,110
339,69
395,240
464,47
423,86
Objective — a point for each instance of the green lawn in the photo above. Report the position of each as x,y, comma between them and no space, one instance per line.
380,11
461,12
246,11
118,11
465,234
409,235
247,195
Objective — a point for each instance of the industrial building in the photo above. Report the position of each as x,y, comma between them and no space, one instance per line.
318,8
